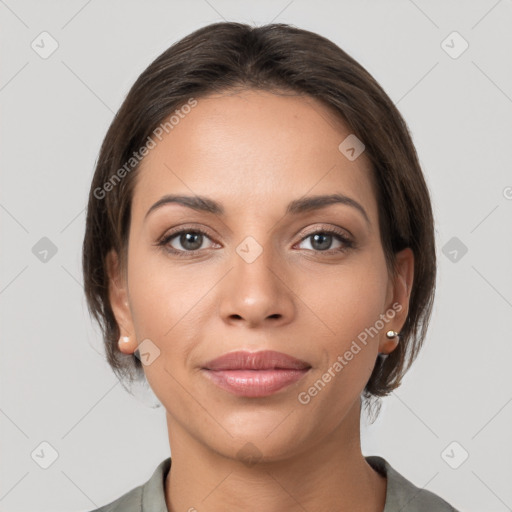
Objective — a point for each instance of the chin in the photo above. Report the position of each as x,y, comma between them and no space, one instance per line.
268,437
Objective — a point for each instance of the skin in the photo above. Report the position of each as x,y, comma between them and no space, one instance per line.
254,152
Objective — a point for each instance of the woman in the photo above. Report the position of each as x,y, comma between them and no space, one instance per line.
260,247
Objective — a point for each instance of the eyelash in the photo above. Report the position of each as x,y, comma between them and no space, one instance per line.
163,243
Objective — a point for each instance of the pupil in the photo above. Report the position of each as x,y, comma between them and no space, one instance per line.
190,241
322,238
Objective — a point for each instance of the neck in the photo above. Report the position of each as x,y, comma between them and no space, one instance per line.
331,474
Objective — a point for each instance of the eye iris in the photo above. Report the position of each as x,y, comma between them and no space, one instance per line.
191,238
319,240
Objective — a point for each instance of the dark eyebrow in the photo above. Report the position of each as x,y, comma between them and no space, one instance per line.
204,204
199,203
316,202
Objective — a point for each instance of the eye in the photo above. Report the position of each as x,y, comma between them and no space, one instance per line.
322,240
190,240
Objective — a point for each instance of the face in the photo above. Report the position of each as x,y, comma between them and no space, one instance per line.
255,274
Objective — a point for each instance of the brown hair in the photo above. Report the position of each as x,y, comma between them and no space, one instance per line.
225,56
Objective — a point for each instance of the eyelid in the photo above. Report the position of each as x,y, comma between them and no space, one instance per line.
327,227
186,227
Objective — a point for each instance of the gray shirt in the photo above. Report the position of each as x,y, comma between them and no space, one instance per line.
401,494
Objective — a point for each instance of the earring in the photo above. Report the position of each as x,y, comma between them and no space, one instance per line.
390,335
123,340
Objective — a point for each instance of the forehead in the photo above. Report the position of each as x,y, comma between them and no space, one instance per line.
252,149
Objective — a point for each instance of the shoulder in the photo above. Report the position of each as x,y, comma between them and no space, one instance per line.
147,497
128,502
402,494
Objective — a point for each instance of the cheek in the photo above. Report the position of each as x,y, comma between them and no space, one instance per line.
159,299
162,304
347,300
169,308
160,294
349,303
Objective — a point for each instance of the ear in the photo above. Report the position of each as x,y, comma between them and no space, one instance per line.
118,296
399,293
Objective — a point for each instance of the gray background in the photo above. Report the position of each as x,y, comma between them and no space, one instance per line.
55,386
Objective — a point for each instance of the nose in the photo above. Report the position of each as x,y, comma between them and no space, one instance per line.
257,293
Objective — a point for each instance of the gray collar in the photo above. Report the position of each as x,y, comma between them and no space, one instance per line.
401,494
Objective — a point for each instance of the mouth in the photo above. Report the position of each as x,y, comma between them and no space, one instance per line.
255,374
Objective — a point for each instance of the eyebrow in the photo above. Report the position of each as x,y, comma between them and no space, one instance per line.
305,204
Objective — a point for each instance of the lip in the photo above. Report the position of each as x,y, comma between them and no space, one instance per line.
262,360
255,374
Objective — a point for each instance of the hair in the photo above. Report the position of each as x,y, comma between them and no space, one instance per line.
227,56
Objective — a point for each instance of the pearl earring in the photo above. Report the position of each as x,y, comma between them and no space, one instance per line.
392,334
124,339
